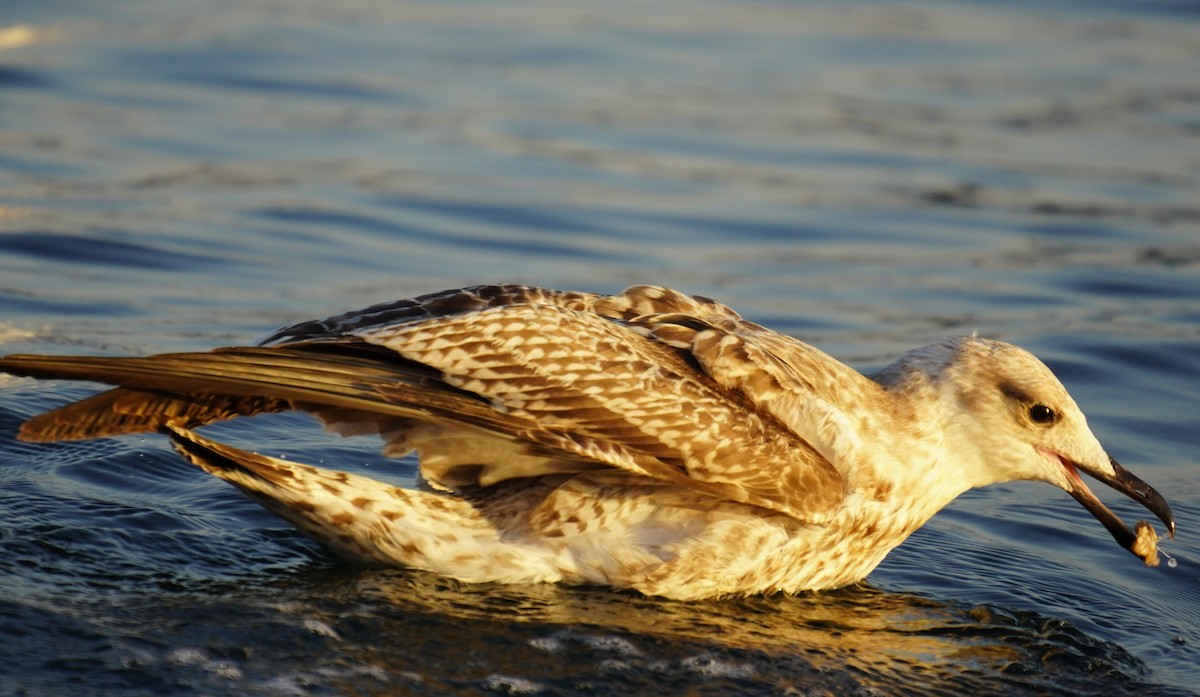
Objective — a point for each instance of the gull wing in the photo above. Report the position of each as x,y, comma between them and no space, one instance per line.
489,383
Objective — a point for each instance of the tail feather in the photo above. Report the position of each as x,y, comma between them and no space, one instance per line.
368,521
334,508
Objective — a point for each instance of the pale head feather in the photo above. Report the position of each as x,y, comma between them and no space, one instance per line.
985,391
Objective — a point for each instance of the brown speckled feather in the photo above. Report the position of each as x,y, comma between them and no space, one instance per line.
604,392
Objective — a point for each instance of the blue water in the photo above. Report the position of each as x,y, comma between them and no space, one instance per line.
867,176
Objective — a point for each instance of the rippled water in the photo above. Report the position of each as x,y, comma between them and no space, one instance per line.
180,175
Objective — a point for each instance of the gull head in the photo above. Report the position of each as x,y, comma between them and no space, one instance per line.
1007,418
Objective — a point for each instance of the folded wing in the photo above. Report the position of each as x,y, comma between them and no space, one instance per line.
492,383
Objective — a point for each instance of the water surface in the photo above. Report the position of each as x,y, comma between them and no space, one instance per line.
869,177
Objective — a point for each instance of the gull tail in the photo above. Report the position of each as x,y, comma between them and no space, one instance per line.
368,521
341,510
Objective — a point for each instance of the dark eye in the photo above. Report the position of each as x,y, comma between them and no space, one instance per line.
1042,414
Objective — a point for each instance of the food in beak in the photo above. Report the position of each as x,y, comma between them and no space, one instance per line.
1143,544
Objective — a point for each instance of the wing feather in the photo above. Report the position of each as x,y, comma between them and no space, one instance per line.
598,388
496,382
826,403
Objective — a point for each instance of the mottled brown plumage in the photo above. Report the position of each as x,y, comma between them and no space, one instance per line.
649,439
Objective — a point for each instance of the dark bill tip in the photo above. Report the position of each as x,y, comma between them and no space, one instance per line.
1128,484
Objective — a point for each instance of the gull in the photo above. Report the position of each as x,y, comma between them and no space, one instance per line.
647,440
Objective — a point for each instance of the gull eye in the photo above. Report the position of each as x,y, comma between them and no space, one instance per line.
1042,414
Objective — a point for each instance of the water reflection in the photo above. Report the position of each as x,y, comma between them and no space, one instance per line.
857,640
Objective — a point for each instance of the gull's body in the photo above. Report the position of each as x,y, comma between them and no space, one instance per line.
645,440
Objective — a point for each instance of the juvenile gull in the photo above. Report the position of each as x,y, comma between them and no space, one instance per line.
647,440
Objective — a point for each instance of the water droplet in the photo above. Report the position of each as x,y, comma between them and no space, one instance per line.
1171,562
